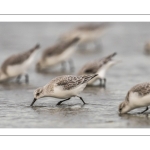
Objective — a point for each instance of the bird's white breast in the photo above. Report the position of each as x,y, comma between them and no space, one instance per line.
59,92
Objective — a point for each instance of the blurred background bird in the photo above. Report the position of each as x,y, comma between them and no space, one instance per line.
58,54
17,65
88,33
99,67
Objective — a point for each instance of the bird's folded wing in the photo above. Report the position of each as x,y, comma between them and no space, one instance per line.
70,82
142,89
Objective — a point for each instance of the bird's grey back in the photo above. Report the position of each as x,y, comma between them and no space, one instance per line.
69,81
92,27
143,89
59,48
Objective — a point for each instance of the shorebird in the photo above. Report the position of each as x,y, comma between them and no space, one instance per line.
138,96
98,67
59,53
63,87
17,65
88,34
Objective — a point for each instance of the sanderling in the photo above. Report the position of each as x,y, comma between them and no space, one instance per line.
138,96
63,87
98,67
87,32
17,65
58,53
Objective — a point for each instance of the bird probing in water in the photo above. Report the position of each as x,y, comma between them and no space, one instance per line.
17,65
63,87
138,96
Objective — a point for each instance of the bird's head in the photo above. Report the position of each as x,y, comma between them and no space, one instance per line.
38,93
124,107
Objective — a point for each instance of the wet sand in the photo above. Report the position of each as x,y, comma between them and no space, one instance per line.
127,39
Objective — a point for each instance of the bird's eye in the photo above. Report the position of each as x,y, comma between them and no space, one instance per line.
120,109
37,94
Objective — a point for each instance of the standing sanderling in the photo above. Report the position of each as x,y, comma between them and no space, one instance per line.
17,65
138,96
63,87
98,67
58,53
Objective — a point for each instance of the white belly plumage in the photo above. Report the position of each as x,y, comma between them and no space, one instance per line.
139,101
59,92
15,70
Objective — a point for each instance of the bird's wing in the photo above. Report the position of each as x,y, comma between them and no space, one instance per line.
59,47
93,67
70,81
142,89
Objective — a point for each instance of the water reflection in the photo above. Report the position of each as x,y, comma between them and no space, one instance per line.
136,120
61,109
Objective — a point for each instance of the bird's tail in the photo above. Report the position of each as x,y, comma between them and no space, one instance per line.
37,46
105,60
112,55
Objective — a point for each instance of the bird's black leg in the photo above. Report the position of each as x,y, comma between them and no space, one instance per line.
143,111
62,101
63,66
104,85
71,65
100,81
26,78
81,99
18,78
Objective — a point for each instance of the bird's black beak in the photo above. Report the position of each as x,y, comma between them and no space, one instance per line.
33,101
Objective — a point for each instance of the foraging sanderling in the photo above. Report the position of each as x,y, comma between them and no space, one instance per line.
86,32
98,67
58,53
138,96
17,65
63,87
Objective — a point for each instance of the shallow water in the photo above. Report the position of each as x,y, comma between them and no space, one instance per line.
127,39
